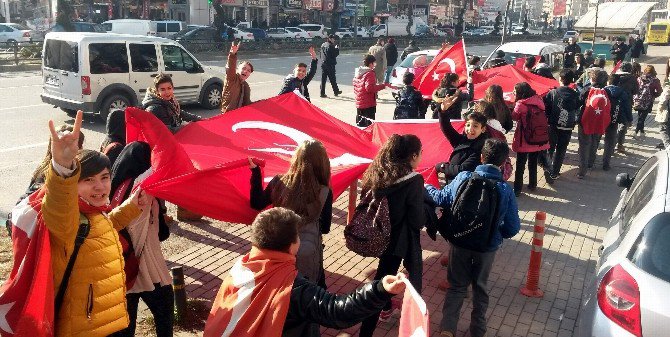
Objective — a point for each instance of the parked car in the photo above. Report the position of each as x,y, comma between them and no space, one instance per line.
299,33
242,33
80,27
407,64
131,26
552,53
102,72
570,33
279,33
258,33
344,33
15,33
316,30
626,296
474,32
519,30
200,38
169,28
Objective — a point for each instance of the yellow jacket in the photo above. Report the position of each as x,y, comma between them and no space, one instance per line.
95,301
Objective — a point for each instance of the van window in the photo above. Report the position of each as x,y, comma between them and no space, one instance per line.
106,58
176,59
143,58
61,55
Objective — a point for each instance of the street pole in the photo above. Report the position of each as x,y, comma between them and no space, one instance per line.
355,22
595,26
7,19
504,32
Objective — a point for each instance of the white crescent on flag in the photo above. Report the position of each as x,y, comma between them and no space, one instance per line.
451,63
598,95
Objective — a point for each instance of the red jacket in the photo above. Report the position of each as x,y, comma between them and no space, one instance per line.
365,87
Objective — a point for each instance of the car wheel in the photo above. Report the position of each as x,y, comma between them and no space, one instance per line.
212,98
70,112
111,103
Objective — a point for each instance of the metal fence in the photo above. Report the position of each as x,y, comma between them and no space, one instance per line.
14,53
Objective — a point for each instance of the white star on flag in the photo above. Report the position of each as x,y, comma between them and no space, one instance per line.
598,111
4,309
436,77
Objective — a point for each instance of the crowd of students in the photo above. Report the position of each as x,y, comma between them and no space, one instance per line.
104,289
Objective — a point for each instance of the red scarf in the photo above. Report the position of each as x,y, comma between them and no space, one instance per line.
88,209
254,299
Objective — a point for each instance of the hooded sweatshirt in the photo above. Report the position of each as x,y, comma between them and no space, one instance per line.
521,109
562,107
365,87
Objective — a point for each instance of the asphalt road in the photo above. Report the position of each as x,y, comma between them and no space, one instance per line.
24,118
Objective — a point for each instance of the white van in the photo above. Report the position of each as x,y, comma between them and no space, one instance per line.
131,26
103,72
169,28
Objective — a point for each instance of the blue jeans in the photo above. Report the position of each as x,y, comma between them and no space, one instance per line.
387,78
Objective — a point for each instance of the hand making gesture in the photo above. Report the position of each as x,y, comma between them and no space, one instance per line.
65,145
449,101
312,52
235,46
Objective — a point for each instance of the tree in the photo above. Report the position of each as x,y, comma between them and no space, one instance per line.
64,16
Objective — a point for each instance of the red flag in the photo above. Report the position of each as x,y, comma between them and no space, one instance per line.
27,297
450,60
616,67
204,166
507,77
414,320
520,61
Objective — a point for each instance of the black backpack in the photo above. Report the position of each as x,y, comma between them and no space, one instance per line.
471,221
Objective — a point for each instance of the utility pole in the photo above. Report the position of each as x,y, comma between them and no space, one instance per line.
504,32
355,22
6,13
595,26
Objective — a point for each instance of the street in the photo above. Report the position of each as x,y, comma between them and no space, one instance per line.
577,211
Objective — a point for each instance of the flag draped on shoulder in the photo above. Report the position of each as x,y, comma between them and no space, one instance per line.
27,297
254,299
414,321
450,60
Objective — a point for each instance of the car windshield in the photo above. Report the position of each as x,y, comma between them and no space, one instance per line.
311,28
295,30
651,253
407,62
244,30
185,31
19,27
510,58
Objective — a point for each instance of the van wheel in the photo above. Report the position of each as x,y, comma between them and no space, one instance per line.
111,103
212,97
70,112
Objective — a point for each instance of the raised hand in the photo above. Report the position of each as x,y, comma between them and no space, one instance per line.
449,101
252,165
139,198
235,46
394,284
312,52
64,146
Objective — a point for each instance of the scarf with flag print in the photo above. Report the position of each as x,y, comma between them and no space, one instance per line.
254,299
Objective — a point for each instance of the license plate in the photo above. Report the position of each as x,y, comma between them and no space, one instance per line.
51,80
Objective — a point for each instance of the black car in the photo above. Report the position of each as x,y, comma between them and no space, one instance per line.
81,27
201,38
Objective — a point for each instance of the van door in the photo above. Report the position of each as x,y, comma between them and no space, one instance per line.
185,72
108,64
60,65
143,67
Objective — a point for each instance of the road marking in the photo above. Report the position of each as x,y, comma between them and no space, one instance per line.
22,147
22,86
24,106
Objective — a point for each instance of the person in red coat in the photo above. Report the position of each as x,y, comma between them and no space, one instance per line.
365,91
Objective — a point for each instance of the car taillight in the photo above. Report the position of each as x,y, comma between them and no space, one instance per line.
26,34
619,299
85,85
393,73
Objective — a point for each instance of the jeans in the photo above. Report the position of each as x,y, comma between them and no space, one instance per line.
615,134
387,76
364,117
558,144
641,118
161,304
328,72
388,265
467,267
521,159
588,148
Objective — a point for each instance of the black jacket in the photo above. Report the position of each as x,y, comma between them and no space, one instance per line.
619,51
543,70
621,105
569,54
164,111
115,139
291,82
312,304
391,54
495,62
410,49
628,82
454,111
637,48
410,104
467,153
330,53
406,211
561,106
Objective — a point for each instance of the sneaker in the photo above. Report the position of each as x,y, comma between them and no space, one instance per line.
337,93
660,146
636,135
580,176
642,135
532,188
324,96
555,176
620,149
548,177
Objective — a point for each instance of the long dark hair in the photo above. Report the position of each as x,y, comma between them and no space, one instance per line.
494,96
523,90
447,79
393,161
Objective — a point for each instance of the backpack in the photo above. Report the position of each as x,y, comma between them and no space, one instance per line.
535,127
597,112
471,220
644,100
405,106
369,232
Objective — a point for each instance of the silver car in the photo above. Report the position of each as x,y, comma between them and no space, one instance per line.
629,293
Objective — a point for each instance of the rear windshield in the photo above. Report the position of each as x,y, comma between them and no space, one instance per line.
651,252
61,55
311,28
168,27
295,30
106,58
658,27
407,62
19,27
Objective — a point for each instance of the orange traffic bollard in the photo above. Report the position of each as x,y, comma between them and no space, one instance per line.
353,193
531,289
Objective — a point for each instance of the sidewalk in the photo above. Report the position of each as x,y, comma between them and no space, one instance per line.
578,213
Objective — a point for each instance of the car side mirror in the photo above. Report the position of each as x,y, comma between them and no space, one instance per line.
623,180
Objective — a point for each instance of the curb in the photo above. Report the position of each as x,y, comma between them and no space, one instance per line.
20,67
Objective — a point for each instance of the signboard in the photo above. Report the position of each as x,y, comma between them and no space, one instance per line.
296,4
559,7
313,4
419,11
257,3
438,10
232,2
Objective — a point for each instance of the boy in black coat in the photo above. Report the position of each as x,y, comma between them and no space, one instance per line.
301,77
409,102
561,106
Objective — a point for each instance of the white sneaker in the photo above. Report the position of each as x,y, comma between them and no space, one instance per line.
636,135
642,135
